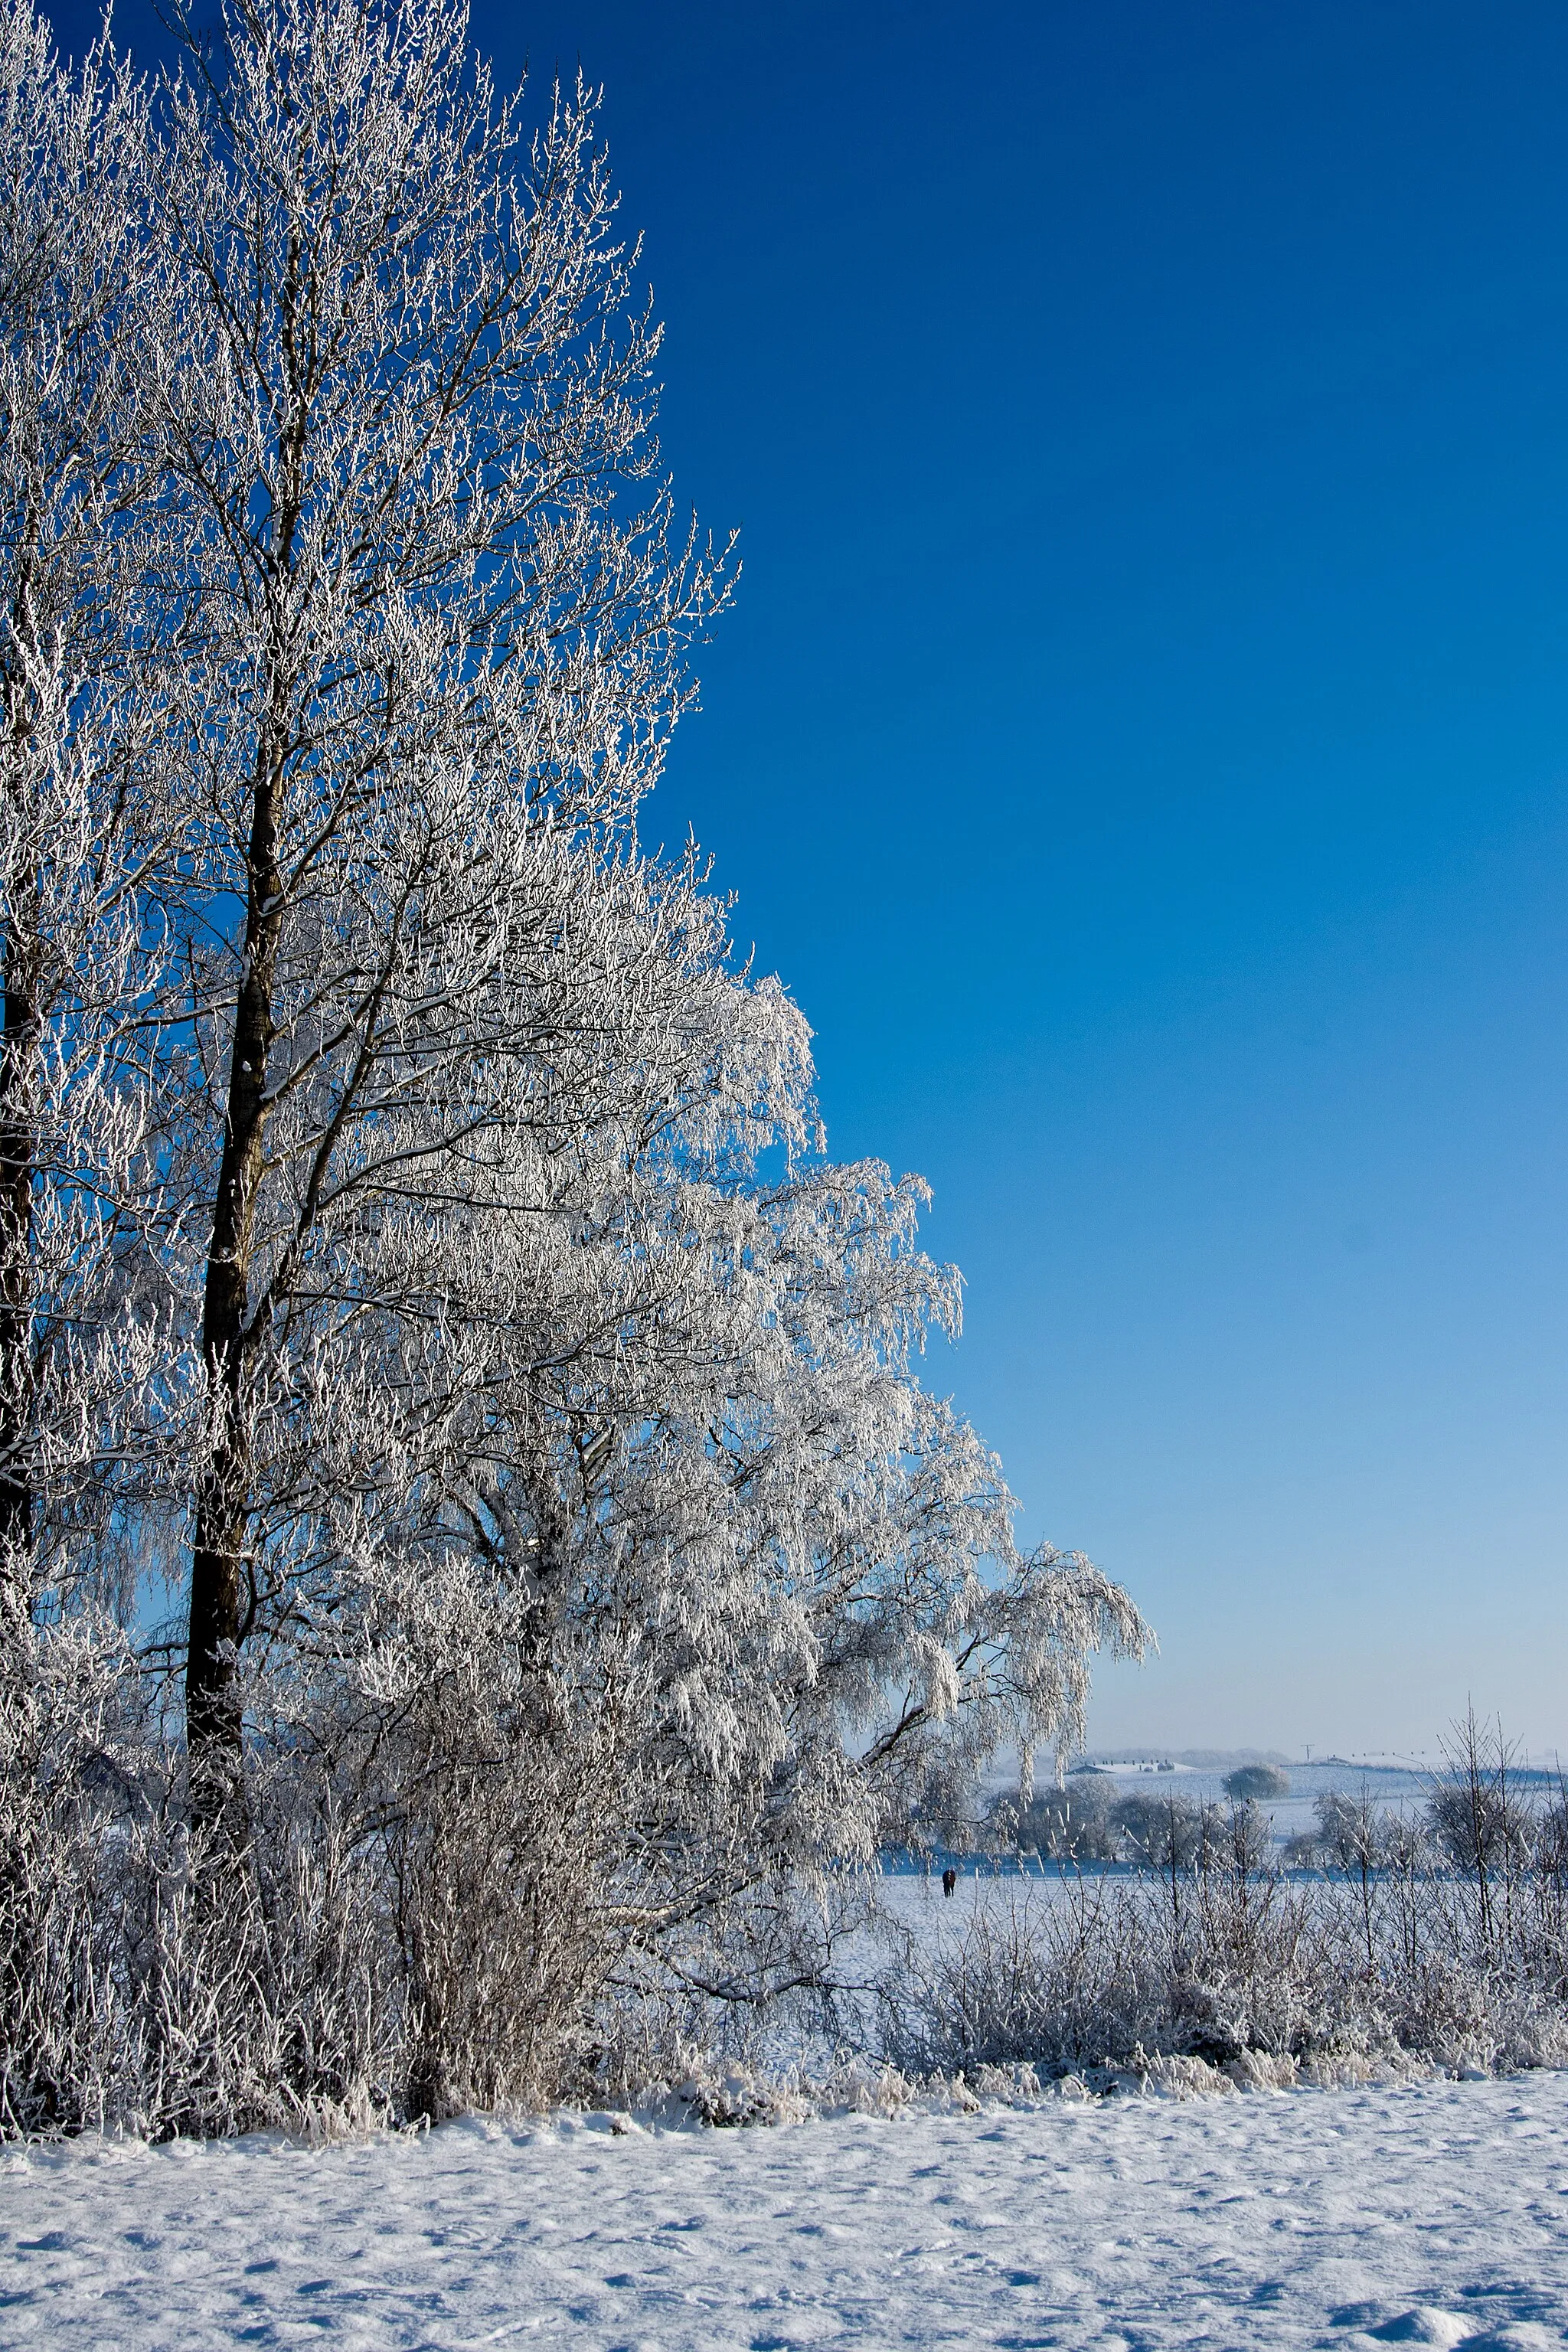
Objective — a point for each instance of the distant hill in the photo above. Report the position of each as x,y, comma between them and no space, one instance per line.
1197,1760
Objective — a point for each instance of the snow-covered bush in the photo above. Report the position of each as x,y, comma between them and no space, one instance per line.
1256,1781
1098,1968
1094,1971
140,1990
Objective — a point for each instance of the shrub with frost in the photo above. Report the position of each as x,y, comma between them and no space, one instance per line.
1258,1782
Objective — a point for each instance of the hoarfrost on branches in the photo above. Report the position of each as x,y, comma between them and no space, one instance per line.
422,1252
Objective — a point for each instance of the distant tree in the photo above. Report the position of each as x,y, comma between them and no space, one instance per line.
1072,1823
1481,1828
1245,1839
1481,1818
1258,1781
1165,1831
1350,1830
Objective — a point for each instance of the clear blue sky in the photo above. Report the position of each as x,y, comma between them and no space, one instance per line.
1142,744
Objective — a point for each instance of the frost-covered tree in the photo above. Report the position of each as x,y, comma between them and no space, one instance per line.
404,406
499,1304
83,814
574,1566
698,1477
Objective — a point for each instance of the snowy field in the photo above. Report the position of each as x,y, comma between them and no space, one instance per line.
1436,2214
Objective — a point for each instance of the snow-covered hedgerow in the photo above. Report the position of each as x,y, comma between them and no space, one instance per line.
1241,1965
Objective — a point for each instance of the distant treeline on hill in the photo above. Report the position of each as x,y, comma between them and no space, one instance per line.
1197,1760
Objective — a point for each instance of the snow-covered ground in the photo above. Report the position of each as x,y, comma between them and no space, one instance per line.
1436,2214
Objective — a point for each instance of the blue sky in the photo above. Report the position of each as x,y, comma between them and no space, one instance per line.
1141,745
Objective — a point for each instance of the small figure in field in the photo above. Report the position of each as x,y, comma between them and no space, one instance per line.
949,1880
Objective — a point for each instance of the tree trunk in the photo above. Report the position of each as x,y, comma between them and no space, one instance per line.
20,1040
18,1047
221,1585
